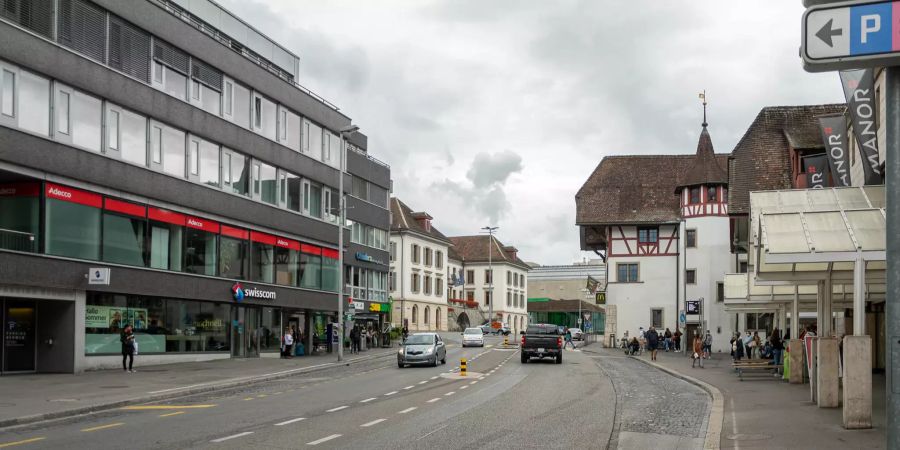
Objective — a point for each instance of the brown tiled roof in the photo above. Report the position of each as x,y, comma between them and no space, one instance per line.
761,159
453,254
706,169
634,189
475,249
402,219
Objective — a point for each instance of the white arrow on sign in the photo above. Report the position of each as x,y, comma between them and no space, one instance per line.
828,33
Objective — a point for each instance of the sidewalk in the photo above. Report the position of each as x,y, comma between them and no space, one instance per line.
769,413
33,398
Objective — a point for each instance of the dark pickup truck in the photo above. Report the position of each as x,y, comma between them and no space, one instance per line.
541,340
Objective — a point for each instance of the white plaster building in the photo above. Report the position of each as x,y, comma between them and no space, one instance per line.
418,270
507,296
662,223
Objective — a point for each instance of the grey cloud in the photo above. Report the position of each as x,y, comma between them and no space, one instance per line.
488,169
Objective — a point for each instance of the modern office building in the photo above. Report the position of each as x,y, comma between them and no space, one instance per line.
161,167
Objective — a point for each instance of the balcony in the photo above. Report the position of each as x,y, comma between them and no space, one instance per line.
17,241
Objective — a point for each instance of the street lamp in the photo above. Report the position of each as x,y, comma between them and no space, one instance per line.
490,230
349,129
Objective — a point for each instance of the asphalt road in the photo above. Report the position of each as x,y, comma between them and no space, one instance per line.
503,404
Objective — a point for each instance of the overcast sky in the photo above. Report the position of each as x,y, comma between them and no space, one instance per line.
496,111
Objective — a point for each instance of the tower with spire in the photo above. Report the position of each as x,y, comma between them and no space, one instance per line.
703,187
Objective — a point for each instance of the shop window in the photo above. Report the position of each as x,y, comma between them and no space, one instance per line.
311,268
20,209
235,172
72,229
262,262
287,266
182,335
233,255
200,251
330,270
270,330
166,246
123,239
33,103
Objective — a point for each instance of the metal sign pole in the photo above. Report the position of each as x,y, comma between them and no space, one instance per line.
892,308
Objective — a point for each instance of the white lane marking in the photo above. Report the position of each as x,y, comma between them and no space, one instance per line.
374,422
324,439
337,409
464,387
474,382
288,422
434,378
391,393
367,400
434,400
435,431
449,393
409,387
413,408
302,369
423,381
231,437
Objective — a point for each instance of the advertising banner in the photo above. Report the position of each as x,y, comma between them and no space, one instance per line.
859,90
834,137
114,317
816,169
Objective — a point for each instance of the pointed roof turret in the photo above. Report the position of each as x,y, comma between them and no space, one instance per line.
706,168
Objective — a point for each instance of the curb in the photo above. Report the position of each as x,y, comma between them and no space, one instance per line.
198,389
717,410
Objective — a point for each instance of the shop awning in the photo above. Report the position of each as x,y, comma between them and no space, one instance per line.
742,288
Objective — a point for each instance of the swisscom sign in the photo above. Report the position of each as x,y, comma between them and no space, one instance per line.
851,35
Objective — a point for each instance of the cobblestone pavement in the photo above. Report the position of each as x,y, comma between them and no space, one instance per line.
650,401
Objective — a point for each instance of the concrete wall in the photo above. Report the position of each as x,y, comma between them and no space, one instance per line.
712,260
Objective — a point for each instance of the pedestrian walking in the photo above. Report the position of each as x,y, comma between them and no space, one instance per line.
288,343
756,344
652,342
642,338
129,346
354,340
698,351
677,338
777,347
667,339
568,338
707,345
748,352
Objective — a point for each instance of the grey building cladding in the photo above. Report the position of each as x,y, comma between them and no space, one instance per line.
93,98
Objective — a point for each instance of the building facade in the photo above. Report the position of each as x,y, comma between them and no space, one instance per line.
661,221
495,280
419,269
161,168
558,293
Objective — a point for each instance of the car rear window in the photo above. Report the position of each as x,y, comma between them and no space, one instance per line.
541,329
473,331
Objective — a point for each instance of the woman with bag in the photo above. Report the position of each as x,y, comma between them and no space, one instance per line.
129,348
698,350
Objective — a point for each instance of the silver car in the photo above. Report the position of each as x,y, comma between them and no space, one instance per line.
473,336
422,348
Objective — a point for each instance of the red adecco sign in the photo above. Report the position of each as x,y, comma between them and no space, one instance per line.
20,190
73,195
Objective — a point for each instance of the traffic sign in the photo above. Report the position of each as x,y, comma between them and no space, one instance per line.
851,35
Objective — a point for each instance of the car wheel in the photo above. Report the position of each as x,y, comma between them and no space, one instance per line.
524,358
444,360
435,362
559,358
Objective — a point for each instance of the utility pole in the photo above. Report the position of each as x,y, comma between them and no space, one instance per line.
490,231
349,129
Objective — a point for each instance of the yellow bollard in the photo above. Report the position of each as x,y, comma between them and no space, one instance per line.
506,340
462,367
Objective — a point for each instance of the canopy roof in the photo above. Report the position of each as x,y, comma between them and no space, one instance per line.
817,230
742,289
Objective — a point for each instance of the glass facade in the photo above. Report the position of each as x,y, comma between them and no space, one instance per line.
165,246
20,214
262,266
233,258
310,270
123,239
33,103
72,230
200,252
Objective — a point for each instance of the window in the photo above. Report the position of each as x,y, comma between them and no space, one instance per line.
508,299
20,206
72,228
166,245
378,195
264,182
62,113
470,277
287,266
427,284
648,235
112,127
167,149
509,278
414,252
311,267
34,104
470,296
360,188
241,105
627,272
81,26
330,270
235,172
414,282
289,129
415,314
262,260
206,85
292,188
36,16
742,267
760,321
312,140
438,259
123,239
438,286
428,256
656,317
393,251
720,291
229,98
711,194
695,195
427,315
204,162
200,248
392,281
315,200
264,116
85,117
690,240
690,276
488,278
8,93
233,253
487,298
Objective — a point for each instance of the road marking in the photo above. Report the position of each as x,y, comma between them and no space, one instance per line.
171,414
449,393
463,387
288,422
409,387
408,410
337,409
423,381
434,400
231,437
143,407
374,422
103,427
277,393
324,439
26,441
434,378
367,400
391,393
474,382
248,398
261,396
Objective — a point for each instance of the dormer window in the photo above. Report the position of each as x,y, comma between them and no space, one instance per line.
695,195
711,195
